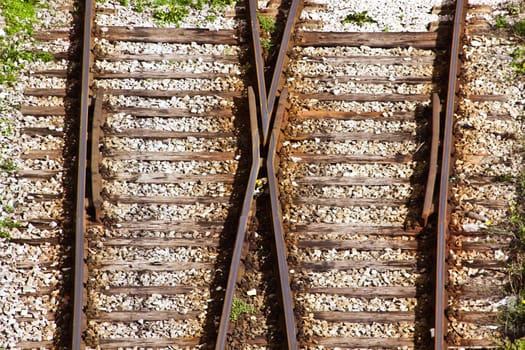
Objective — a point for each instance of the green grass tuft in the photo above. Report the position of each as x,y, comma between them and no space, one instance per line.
513,313
20,17
239,308
266,23
501,22
8,165
175,11
519,27
358,18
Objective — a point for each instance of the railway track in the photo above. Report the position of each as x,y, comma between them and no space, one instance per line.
39,302
165,150
354,162
351,137
483,189
151,260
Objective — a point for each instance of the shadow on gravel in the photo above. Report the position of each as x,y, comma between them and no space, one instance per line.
425,285
64,313
424,262
227,236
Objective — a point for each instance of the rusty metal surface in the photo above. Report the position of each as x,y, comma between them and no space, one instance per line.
243,223
293,15
96,156
440,326
428,205
278,229
259,68
77,327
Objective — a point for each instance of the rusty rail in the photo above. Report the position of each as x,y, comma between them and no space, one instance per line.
243,223
278,230
259,68
78,302
96,156
283,50
440,325
428,205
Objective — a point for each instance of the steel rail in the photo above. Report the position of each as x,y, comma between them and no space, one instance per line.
277,221
267,101
440,325
243,223
78,302
283,50
259,68
270,143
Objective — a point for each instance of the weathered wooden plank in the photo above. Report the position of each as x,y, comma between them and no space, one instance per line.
178,226
143,315
492,264
371,245
96,155
44,92
171,156
364,97
169,35
37,174
363,342
168,112
45,197
350,115
149,242
488,98
310,4
171,57
120,343
36,242
53,154
139,265
40,132
354,136
479,318
171,93
368,292
366,317
40,263
148,290
493,204
419,40
487,290
475,25
384,60
370,79
179,200
51,34
482,246
48,344
351,181
483,180
353,264
428,201
159,75
50,316
145,133
342,158
43,110
346,228
478,343
56,73
168,178
351,202
447,9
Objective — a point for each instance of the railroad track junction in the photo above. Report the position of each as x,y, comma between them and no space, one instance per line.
230,194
